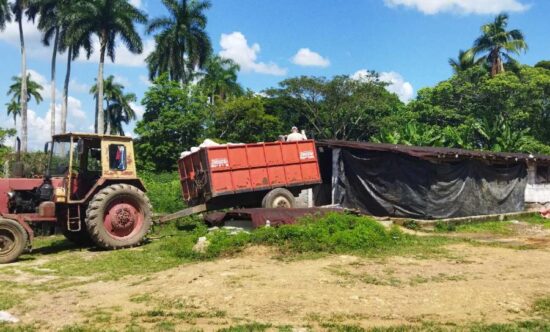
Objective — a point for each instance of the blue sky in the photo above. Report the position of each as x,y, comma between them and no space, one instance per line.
407,41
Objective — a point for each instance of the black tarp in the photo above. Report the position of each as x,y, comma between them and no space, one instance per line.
394,184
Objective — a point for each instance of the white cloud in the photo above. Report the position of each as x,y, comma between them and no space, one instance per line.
123,57
431,7
33,43
44,82
145,80
75,86
396,83
74,108
136,3
122,80
307,58
139,109
235,47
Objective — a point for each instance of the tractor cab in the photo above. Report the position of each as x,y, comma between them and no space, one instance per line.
85,161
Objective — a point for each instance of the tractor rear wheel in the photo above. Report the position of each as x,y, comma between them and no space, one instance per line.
119,216
13,240
279,198
81,238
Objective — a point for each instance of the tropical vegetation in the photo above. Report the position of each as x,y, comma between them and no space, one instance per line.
490,102
182,44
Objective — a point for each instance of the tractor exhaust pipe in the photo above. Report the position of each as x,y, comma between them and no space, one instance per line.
18,170
18,155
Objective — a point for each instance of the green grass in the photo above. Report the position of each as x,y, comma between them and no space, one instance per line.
542,307
492,227
8,296
252,327
172,246
537,219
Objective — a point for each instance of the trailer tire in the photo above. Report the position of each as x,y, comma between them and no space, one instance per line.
279,198
119,216
13,240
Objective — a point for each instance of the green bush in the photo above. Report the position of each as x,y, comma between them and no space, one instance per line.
164,191
332,233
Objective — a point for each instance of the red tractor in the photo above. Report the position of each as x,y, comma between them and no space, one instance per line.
90,190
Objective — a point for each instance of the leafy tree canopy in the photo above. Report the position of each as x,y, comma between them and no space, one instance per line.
172,122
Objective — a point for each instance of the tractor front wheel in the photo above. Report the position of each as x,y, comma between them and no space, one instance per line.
13,240
119,216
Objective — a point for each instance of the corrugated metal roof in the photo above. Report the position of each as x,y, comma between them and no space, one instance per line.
437,152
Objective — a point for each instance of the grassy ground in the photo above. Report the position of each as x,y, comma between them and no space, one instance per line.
493,227
172,245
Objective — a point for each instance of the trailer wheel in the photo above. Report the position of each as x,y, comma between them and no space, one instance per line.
119,216
13,240
279,198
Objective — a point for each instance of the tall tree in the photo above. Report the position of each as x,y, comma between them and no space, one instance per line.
117,109
14,109
33,90
22,9
220,79
109,20
182,43
71,40
51,16
5,14
496,43
120,111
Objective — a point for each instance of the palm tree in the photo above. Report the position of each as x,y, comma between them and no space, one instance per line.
21,8
220,78
14,109
117,105
5,14
120,112
50,25
33,90
496,43
109,20
60,24
182,44
465,60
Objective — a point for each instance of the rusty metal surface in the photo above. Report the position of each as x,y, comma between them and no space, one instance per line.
259,217
436,152
20,184
234,169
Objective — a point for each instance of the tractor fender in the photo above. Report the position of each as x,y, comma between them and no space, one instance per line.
102,183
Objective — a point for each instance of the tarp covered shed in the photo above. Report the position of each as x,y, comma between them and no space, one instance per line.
422,182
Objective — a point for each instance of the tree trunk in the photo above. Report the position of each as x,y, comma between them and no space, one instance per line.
108,119
54,58
100,113
95,115
497,66
65,105
24,96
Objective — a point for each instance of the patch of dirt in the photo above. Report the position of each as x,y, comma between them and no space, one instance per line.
475,283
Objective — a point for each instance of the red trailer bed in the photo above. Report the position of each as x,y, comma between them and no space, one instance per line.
247,168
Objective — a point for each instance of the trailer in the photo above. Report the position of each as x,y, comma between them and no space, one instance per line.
268,175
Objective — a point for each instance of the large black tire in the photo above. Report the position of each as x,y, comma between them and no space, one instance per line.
119,216
279,198
13,240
